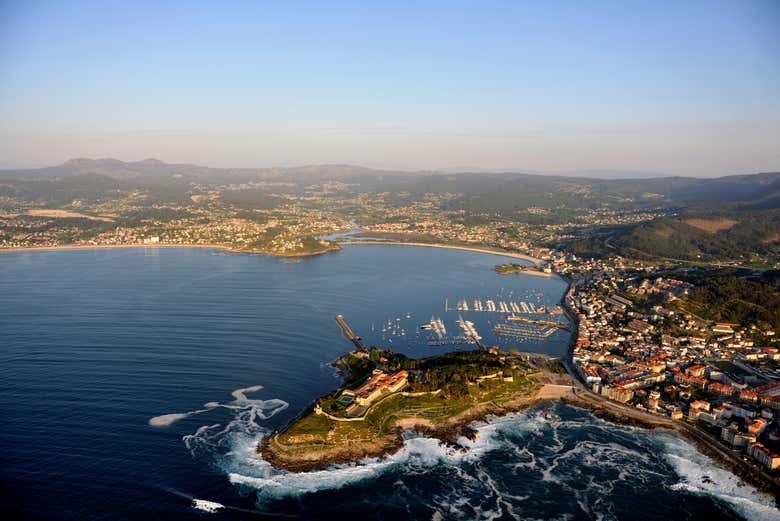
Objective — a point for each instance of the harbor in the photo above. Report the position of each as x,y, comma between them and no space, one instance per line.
474,316
490,305
523,330
503,320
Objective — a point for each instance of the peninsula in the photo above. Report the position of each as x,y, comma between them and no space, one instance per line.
386,392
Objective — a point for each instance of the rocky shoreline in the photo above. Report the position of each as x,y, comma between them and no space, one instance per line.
746,472
449,432
453,430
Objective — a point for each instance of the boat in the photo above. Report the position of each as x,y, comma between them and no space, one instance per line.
523,330
468,329
437,326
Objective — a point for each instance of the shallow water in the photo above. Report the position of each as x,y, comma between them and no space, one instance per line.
136,383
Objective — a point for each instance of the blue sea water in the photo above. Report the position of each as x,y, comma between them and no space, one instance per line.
136,383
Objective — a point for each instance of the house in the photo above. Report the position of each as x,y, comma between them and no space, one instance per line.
763,455
378,384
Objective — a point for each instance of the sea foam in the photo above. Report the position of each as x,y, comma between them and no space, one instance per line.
262,409
701,475
418,453
558,459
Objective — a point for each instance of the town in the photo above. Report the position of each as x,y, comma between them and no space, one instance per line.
638,344
644,335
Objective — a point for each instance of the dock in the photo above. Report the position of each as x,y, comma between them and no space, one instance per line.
348,332
540,322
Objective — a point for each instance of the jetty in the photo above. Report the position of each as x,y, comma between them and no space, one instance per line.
348,332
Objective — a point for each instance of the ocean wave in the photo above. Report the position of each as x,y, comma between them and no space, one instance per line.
591,461
701,475
418,454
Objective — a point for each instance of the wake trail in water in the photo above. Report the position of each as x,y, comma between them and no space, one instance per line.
262,409
212,507
165,420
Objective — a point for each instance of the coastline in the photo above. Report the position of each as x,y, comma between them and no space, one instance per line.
747,472
334,246
449,431
227,249
533,260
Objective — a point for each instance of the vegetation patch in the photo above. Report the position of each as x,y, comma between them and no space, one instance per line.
509,268
445,394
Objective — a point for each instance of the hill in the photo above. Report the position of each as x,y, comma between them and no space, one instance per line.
503,193
697,235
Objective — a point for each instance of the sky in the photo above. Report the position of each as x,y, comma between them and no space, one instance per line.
683,88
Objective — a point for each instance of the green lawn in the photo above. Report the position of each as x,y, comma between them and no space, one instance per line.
317,430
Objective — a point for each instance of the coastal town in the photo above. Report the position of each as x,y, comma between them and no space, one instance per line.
383,261
638,344
288,232
280,217
640,339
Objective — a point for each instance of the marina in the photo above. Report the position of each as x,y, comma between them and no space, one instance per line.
504,306
436,325
527,317
468,329
449,341
524,330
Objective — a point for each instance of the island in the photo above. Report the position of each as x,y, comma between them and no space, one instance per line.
385,393
509,268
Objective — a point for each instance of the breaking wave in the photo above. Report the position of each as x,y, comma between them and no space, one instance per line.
516,466
700,475
418,455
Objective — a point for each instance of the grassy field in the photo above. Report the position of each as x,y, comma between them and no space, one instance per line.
314,431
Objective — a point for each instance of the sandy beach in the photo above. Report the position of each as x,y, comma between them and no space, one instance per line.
536,262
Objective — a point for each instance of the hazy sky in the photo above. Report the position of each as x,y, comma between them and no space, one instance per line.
681,87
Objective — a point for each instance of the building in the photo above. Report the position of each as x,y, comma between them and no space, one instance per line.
733,436
722,328
757,426
378,384
619,394
722,389
696,370
763,455
654,399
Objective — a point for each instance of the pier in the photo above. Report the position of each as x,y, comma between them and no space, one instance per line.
539,321
348,332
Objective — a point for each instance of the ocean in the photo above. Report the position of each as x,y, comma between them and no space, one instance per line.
136,384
